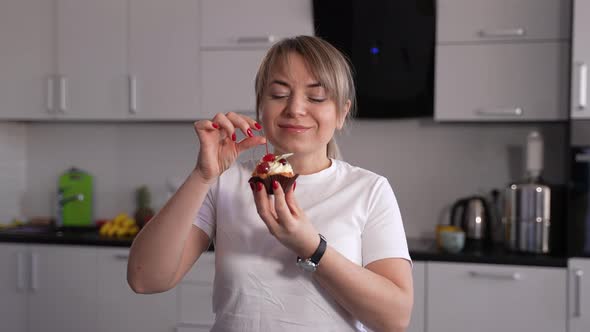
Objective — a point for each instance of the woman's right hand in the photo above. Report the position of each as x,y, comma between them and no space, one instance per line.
219,147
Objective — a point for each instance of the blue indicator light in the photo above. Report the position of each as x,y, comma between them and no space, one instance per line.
374,50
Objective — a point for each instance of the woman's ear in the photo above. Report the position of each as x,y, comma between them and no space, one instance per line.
342,115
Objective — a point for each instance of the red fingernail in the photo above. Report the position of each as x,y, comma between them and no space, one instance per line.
252,185
258,186
294,185
257,125
249,131
215,125
275,185
233,136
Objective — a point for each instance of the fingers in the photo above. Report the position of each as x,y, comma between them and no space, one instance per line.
291,202
264,206
244,123
282,208
250,142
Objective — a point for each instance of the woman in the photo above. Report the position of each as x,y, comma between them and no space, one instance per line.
274,272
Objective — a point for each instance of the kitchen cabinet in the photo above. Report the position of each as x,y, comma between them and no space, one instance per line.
257,24
121,309
235,36
418,311
580,60
502,82
14,286
47,288
91,80
163,60
579,294
461,21
495,64
484,297
62,295
195,296
27,58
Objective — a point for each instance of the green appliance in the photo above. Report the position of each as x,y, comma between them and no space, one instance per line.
75,199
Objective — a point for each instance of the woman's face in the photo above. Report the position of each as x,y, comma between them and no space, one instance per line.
297,113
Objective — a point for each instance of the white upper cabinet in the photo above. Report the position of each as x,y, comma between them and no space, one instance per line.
502,82
92,59
27,58
580,60
163,59
485,20
253,23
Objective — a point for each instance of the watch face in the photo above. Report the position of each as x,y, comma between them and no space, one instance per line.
307,265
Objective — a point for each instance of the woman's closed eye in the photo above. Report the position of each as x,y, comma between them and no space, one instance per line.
317,99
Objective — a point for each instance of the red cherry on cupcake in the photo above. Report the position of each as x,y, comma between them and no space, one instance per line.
263,168
283,161
269,157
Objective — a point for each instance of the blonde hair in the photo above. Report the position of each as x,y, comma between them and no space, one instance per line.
330,67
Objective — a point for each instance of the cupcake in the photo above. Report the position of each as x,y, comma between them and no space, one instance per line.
274,168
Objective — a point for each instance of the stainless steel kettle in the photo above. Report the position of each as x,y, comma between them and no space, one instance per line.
473,215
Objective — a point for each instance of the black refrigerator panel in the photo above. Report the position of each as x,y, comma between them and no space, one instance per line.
579,203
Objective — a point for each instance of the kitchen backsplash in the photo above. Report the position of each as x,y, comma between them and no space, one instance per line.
13,169
428,164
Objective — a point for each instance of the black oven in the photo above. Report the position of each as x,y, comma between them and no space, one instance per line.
391,46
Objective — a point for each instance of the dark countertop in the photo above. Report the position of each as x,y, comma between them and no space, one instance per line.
420,249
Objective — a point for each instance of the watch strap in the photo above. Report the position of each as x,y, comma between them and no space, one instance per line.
319,252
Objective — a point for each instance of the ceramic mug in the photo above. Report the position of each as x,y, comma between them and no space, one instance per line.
452,241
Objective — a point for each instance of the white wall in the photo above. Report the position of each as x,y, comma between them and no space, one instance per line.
429,165
13,169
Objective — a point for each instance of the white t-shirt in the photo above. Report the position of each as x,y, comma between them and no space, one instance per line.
258,286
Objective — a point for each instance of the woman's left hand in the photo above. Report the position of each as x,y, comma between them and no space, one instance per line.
285,220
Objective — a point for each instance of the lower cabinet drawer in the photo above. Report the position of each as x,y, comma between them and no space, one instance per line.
485,297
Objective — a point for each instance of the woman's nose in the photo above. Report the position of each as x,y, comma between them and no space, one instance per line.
296,106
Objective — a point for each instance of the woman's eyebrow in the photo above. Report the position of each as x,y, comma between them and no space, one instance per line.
283,83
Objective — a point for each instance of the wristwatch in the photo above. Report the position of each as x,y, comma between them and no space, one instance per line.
311,264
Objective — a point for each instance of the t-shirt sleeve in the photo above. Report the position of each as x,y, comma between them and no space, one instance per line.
206,218
383,235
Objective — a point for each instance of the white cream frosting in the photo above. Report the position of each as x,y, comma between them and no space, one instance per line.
277,167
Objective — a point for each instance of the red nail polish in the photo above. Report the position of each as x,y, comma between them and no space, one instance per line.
249,131
233,136
215,125
252,185
258,186
257,125
294,185
275,185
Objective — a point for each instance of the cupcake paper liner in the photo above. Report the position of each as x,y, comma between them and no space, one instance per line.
284,181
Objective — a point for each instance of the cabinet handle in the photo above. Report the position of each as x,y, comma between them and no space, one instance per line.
517,111
132,94
34,271
63,94
20,271
516,32
499,276
121,257
577,289
50,93
582,86
256,39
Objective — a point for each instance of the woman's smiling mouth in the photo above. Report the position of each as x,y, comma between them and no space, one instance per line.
294,128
